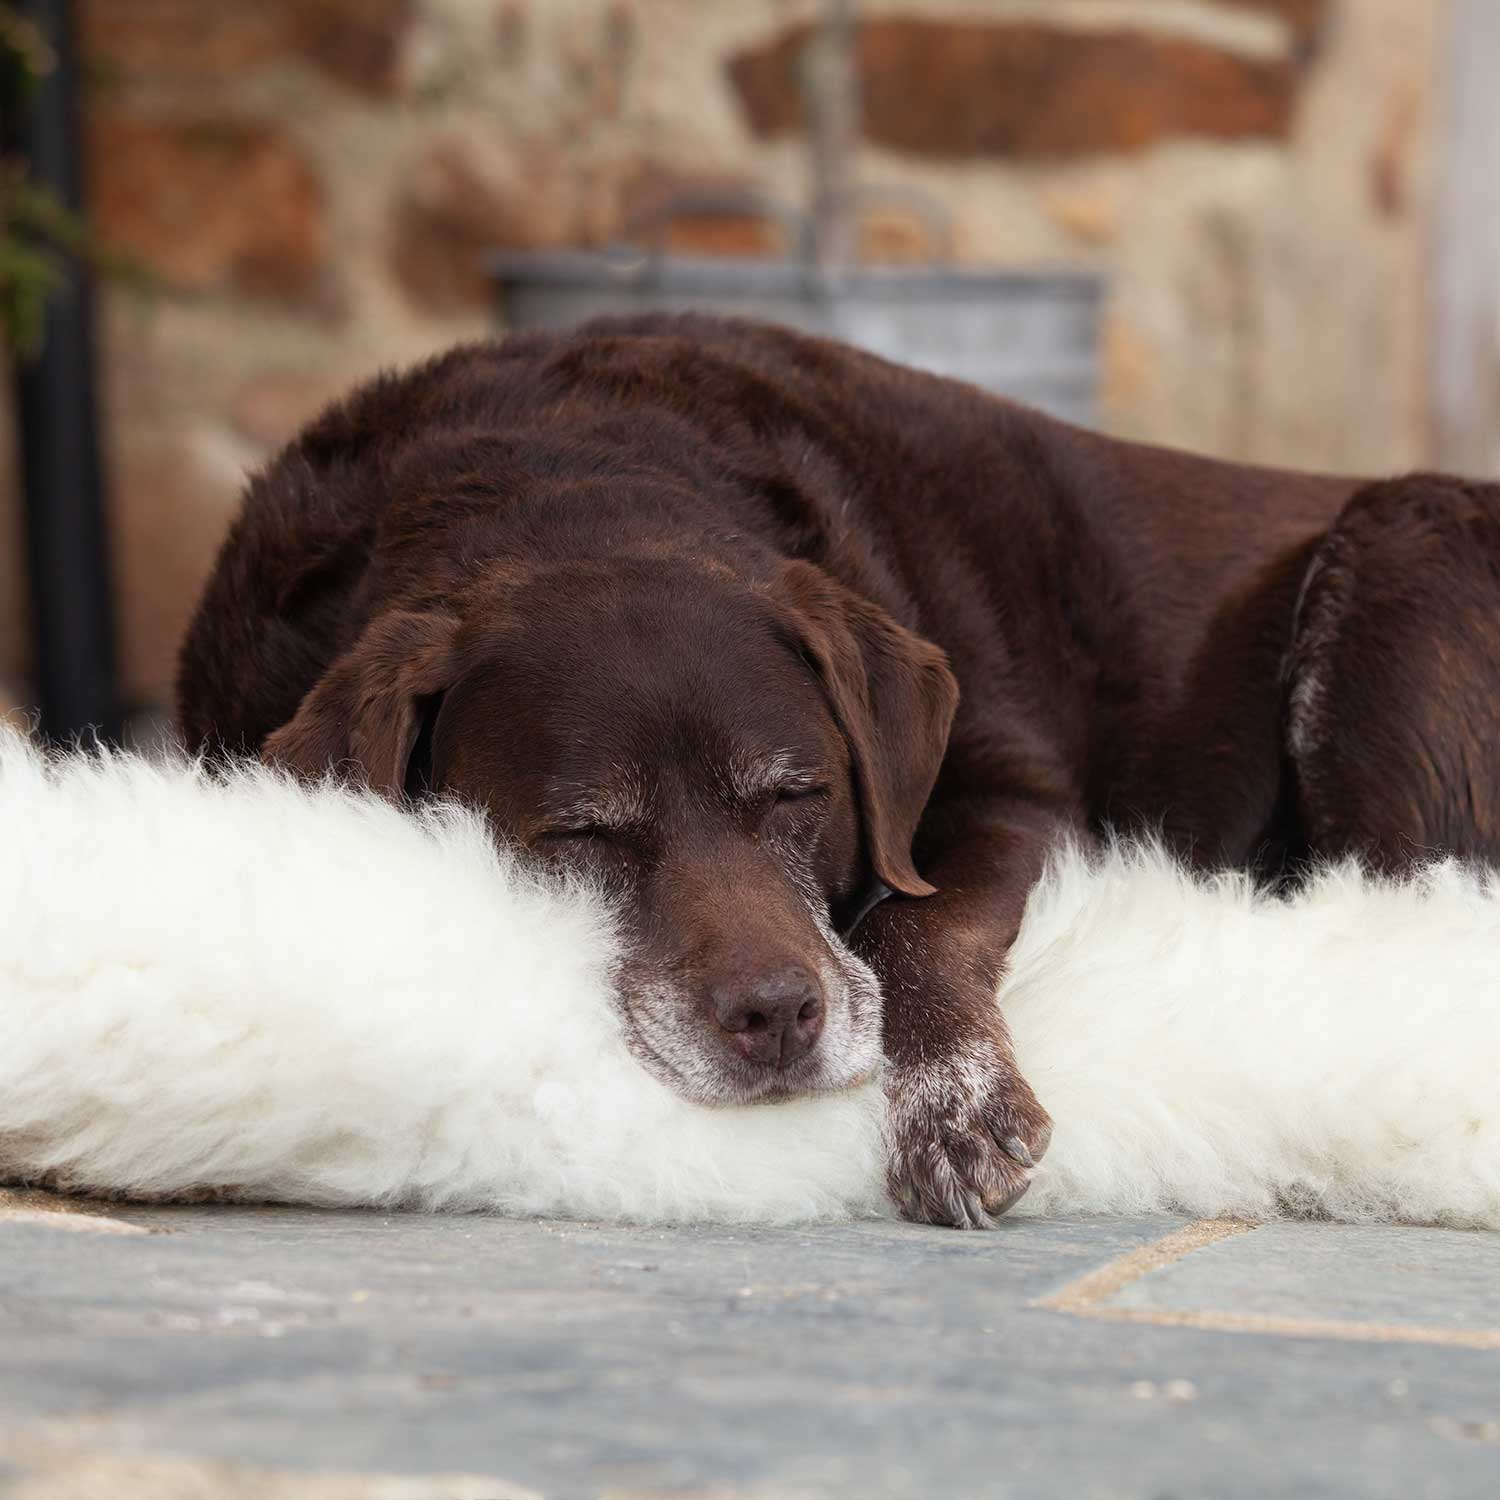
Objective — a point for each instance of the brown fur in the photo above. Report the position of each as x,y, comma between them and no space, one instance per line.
750,625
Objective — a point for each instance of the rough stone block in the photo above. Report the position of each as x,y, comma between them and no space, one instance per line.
972,89
358,42
457,206
209,204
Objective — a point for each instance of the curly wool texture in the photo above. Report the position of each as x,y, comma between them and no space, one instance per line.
257,990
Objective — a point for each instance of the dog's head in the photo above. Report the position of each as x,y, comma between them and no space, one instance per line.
740,764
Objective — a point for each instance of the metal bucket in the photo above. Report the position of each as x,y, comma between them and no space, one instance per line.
1032,336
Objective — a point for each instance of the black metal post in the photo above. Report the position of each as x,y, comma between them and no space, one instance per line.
57,422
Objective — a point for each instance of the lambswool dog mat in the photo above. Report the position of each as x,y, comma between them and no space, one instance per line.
257,990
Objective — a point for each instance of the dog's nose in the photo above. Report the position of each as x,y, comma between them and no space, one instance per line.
773,1019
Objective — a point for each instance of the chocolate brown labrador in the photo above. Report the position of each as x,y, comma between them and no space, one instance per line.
811,660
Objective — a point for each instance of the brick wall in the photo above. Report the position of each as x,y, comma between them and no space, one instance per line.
312,181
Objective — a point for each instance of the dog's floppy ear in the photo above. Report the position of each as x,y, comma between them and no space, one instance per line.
894,699
365,712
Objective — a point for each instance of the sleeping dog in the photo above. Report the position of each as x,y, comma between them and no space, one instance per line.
812,659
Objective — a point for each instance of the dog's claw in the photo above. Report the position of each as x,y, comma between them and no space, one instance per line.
996,1210
960,1154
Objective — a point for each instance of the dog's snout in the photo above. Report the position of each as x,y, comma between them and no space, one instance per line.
773,1018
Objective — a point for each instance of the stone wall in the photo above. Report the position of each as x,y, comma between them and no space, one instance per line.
312,182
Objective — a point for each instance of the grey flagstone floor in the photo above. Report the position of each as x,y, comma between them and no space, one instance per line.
283,1353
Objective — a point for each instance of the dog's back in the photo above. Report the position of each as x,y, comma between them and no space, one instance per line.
1130,606
774,410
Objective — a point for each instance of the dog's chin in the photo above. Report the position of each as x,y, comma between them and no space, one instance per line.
804,1079
715,1080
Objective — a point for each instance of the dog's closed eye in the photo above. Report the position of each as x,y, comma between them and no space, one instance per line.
800,793
576,835
594,845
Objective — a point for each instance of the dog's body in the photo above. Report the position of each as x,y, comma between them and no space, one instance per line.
664,596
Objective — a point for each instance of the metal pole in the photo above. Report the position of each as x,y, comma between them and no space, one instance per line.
834,107
57,422
1465,307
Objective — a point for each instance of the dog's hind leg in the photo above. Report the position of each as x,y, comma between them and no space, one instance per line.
1393,682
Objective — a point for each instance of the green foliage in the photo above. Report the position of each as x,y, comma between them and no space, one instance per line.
34,227
27,54
38,233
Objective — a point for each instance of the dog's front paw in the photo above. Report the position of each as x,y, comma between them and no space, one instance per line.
966,1133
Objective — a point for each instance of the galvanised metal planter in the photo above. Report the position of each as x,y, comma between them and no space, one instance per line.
1032,336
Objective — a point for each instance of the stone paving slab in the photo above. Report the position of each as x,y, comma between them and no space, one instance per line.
1368,1282
342,1356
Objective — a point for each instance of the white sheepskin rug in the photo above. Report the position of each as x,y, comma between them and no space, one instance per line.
254,990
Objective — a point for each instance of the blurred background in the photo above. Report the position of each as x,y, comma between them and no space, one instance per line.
1288,211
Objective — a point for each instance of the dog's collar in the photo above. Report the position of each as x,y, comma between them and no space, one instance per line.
872,898
419,775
